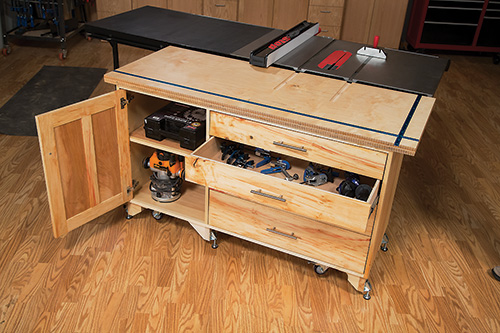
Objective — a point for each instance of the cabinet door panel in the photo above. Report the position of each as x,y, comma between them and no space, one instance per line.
258,12
188,6
288,13
86,160
224,9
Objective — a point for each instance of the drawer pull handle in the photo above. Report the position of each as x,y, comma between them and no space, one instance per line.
325,11
281,144
273,230
220,5
259,192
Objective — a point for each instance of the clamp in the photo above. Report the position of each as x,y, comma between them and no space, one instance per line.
281,166
265,154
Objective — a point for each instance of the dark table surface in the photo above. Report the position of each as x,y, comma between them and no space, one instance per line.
155,28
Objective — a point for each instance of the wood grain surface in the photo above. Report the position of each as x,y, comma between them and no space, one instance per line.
301,101
114,275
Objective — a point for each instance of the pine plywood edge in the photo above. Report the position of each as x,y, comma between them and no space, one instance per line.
363,115
190,206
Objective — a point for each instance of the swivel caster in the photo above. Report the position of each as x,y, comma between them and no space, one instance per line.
129,217
366,290
213,237
157,215
385,240
6,50
320,270
63,54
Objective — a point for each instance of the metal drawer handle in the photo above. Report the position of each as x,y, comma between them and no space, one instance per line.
259,192
325,11
273,230
219,5
281,144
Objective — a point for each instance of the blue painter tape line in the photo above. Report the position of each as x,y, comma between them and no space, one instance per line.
263,105
407,121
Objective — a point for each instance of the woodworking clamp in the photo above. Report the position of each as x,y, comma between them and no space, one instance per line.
281,166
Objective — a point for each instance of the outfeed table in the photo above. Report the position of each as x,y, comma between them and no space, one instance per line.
92,153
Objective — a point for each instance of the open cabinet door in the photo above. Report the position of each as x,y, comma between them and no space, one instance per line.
86,159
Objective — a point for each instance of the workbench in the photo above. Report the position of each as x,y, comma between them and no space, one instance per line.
92,154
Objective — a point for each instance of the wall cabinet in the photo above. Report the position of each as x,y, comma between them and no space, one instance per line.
92,154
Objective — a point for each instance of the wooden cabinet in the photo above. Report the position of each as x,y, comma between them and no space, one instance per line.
110,8
93,152
224,9
188,6
365,19
329,14
258,12
154,3
288,13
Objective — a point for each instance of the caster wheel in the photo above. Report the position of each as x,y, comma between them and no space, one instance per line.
63,54
157,215
384,248
129,217
6,50
214,246
367,296
320,270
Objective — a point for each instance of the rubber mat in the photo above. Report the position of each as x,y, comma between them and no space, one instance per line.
51,88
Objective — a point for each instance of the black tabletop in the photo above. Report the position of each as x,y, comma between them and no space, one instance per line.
155,28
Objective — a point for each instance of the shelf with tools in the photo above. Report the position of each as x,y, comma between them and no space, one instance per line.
53,21
138,136
176,197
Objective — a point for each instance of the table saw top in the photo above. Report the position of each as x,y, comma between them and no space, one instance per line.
156,28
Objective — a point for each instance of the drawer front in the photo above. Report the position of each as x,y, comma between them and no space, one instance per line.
326,15
337,3
330,31
320,241
339,155
276,192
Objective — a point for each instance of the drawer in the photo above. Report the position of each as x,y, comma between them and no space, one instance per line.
288,232
337,3
321,203
326,15
336,154
330,31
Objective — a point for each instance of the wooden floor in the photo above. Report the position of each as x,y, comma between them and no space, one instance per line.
141,275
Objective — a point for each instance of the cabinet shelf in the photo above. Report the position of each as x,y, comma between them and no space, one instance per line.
455,25
138,136
189,207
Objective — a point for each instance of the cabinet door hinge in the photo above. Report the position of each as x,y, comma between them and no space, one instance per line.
134,185
125,101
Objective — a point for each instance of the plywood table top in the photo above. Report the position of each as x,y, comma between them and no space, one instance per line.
359,114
